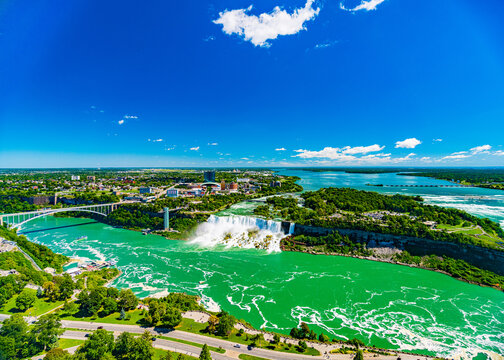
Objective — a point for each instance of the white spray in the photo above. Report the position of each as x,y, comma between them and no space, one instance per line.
241,231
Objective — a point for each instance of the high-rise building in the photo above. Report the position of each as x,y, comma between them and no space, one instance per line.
223,185
209,176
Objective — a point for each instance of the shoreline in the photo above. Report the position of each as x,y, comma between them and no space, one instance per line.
390,261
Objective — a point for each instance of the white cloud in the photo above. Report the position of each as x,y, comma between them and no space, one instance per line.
437,140
280,149
267,26
410,143
345,153
244,158
213,144
209,38
130,117
120,122
364,5
157,140
362,149
455,156
481,148
499,153
196,148
325,45
425,158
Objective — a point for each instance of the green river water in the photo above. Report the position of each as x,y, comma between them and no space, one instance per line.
382,304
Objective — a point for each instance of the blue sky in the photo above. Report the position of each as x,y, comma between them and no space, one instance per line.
252,82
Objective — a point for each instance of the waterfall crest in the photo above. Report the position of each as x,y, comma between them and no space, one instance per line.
240,231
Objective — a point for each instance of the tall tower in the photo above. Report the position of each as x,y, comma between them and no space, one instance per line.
166,218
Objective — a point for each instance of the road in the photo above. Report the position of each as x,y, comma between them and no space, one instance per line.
231,351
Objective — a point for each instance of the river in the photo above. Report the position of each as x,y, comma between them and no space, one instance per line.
382,304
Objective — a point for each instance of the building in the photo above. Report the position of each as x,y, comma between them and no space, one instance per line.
166,218
209,176
233,186
243,180
145,190
75,177
91,178
223,185
172,193
275,183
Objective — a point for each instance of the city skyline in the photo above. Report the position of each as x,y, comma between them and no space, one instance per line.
252,83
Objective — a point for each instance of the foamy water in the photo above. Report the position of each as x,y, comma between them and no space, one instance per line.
240,231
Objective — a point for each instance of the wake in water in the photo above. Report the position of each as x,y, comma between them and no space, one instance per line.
240,231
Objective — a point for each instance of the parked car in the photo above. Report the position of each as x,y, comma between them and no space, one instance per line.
237,346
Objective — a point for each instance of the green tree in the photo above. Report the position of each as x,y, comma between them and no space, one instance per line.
302,345
26,299
171,318
205,353
99,345
70,307
109,306
57,354
226,324
359,355
122,315
127,299
168,356
122,345
276,339
13,334
46,331
323,338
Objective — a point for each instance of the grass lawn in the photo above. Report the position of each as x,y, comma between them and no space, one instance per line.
472,231
190,325
135,318
39,307
250,357
68,343
211,348
160,353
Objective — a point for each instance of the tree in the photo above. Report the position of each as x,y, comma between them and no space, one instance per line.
127,299
181,357
99,345
302,345
122,345
276,339
109,306
46,330
26,299
323,338
57,354
212,323
13,334
226,324
168,356
70,307
205,353
66,286
122,315
171,318
50,290
359,355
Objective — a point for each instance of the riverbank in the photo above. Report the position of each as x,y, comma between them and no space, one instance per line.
389,260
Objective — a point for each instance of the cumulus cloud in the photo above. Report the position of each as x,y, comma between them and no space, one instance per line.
196,148
498,153
364,5
345,153
481,148
455,157
267,26
280,149
120,122
410,143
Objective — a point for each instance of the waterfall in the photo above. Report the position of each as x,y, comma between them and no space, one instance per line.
240,231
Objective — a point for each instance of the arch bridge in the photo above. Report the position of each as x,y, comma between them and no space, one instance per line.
18,219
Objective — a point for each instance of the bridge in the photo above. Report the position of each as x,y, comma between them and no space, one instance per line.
18,219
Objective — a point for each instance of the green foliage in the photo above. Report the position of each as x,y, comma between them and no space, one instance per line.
46,331
57,354
26,299
99,344
359,355
16,261
205,353
127,299
42,255
161,313
131,218
226,324
9,286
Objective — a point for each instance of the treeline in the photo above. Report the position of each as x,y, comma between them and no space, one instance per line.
14,204
331,243
455,267
473,176
41,254
127,216
95,197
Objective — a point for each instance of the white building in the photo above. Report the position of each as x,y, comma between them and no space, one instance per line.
75,177
172,193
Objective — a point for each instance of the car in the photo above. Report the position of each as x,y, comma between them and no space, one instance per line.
86,335
100,327
237,346
154,338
